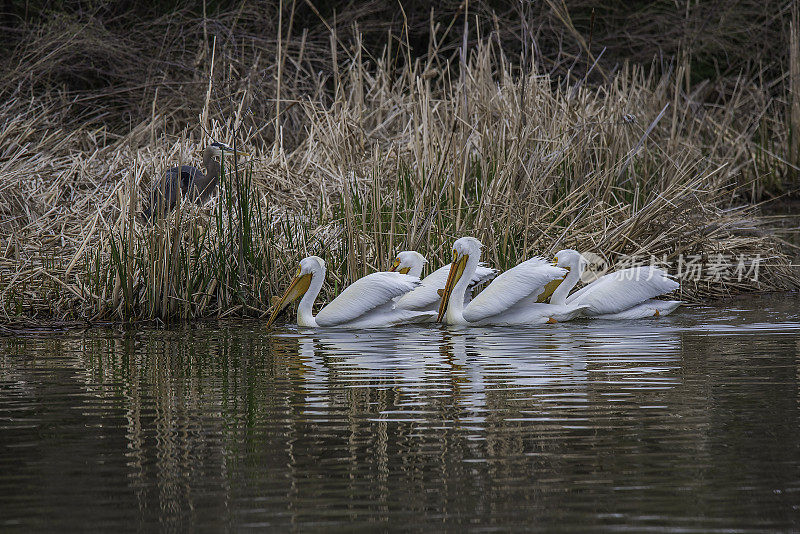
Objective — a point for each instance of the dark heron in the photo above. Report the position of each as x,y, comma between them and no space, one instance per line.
188,181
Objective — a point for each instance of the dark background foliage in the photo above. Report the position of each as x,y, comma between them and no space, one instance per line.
109,60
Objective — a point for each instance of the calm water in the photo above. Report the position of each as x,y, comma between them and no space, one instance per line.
689,422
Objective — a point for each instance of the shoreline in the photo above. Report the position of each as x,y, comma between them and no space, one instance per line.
23,327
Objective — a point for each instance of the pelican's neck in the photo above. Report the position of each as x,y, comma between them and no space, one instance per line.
305,313
560,294
455,306
416,270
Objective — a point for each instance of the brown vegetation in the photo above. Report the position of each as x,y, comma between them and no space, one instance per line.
359,154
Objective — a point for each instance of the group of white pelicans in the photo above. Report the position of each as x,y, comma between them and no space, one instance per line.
513,298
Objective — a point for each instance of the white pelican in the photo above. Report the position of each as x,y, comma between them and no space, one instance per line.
511,299
427,296
625,294
366,303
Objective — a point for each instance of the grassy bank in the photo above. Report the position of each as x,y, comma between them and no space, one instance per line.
383,154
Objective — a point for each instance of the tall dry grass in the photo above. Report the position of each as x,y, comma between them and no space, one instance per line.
398,155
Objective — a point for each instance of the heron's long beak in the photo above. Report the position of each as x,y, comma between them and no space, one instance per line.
456,271
231,152
296,289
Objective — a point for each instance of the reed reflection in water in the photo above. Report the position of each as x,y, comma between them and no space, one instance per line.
689,422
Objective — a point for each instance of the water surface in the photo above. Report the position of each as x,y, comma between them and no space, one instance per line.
688,422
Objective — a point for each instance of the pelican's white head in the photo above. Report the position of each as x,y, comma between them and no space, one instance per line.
312,265
311,268
409,262
568,259
574,262
466,246
464,249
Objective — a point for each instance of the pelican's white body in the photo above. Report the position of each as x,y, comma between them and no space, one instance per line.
626,294
511,298
426,297
366,303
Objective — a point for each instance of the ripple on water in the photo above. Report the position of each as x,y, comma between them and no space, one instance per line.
687,422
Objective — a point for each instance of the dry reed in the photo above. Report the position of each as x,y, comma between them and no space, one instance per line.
398,156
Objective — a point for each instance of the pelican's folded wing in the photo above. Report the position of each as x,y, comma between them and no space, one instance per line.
426,296
482,275
364,295
623,289
525,280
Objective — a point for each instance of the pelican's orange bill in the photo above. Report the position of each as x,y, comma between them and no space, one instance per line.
296,289
456,271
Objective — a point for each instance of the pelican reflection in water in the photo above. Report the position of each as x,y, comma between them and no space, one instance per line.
540,373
